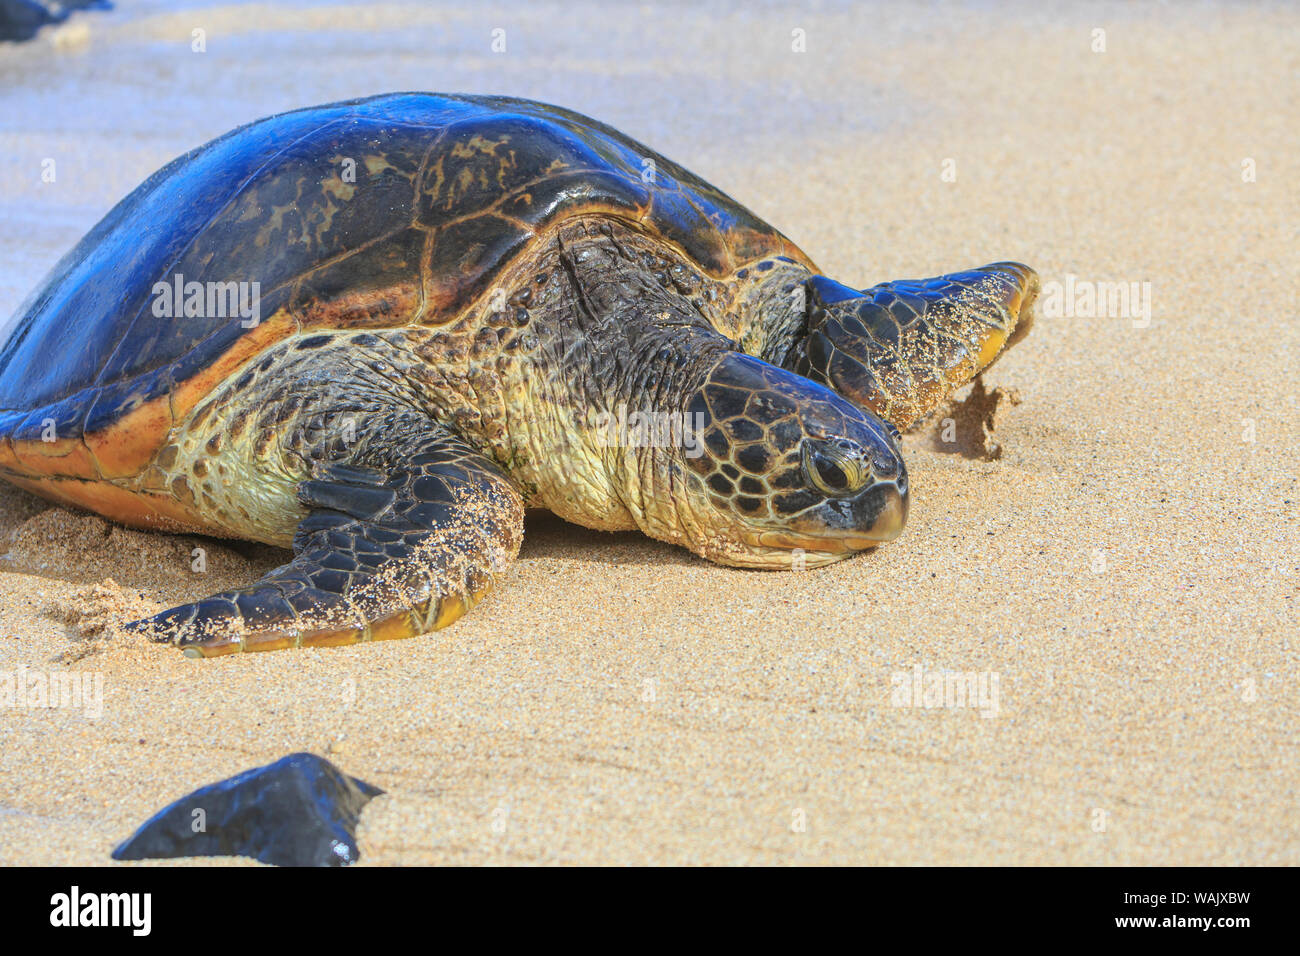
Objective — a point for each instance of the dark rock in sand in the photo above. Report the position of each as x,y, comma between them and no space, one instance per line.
20,19
299,811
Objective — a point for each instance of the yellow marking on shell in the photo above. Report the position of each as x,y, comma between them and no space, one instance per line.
434,189
465,179
273,225
377,164
335,186
477,145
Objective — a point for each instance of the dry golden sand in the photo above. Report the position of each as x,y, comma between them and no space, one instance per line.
1127,567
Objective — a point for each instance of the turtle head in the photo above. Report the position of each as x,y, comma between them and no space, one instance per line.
784,472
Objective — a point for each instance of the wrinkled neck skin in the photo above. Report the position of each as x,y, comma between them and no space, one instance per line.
606,387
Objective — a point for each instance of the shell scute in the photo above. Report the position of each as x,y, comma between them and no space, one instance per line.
379,285
465,258
479,162
542,201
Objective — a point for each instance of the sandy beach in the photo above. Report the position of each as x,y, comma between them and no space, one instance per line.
1116,563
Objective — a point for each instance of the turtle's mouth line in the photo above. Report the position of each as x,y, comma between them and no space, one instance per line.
887,526
831,544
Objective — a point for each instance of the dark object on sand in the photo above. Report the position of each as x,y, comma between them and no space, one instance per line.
299,811
20,19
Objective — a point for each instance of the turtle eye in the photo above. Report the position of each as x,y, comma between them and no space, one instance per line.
831,470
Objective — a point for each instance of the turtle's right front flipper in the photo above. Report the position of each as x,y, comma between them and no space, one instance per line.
900,348
402,538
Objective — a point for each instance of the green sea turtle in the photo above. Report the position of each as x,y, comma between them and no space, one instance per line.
377,331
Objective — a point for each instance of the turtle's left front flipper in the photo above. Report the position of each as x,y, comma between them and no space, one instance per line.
403,537
900,348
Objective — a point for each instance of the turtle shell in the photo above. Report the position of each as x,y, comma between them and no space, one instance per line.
380,212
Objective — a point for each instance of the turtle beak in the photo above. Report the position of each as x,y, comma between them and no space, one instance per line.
893,513
882,513
896,492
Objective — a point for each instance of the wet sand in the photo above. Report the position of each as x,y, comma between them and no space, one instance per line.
1126,570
